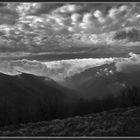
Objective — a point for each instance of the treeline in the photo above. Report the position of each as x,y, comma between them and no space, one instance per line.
30,106
130,96
27,98
26,107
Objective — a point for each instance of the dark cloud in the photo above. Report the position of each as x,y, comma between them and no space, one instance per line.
7,19
31,22
132,34
130,64
45,8
91,18
8,14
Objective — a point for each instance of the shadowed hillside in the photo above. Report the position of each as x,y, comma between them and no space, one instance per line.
28,98
117,122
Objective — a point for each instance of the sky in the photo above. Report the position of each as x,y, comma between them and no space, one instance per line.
60,40
45,27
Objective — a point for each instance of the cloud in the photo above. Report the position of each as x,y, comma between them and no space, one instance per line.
13,67
37,9
103,16
57,70
86,21
118,12
25,9
99,16
8,14
75,18
93,22
132,34
101,19
87,18
45,8
130,64
68,8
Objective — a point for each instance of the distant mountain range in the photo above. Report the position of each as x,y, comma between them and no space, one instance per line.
101,81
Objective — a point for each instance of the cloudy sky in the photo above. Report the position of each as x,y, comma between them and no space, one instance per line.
75,36
44,27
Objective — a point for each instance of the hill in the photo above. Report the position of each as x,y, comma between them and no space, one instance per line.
29,98
102,80
116,122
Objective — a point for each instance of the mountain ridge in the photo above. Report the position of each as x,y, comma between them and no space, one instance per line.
27,97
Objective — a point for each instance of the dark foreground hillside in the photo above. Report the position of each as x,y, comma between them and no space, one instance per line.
117,122
28,98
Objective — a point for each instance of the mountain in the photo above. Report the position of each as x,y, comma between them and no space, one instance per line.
101,81
28,98
116,122
93,82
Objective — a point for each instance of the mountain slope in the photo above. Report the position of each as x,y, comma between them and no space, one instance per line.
89,82
117,122
101,81
29,98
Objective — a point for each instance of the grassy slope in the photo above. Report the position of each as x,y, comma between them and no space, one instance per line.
117,122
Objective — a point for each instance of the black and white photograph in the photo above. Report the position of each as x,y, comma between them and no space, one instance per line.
69,69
